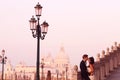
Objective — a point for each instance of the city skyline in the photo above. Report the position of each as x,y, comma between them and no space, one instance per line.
81,26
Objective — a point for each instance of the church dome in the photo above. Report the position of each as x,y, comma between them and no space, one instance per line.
61,60
48,60
62,55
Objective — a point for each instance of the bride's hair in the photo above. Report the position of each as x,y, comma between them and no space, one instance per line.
91,60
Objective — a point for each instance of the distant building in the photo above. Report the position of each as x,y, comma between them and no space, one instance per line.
58,68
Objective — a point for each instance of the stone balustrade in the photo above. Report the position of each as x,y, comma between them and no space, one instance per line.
105,63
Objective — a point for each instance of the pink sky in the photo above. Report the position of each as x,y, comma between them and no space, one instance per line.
82,26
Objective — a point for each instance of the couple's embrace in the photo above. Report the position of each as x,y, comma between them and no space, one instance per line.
87,72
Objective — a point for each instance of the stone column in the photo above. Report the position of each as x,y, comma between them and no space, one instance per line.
117,51
108,62
119,54
111,59
106,65
75,72
102,67
97,68
98,57
97,72
115,55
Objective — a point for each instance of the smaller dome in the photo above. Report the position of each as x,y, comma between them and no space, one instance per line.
62,55
48,60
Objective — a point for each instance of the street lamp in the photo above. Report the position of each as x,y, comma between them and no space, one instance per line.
3,59
39,32
66,71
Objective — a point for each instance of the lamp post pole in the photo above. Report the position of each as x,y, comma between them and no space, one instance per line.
39,32
66,71
3,61
38,42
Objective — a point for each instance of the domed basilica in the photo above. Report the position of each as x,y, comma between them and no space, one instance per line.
59,67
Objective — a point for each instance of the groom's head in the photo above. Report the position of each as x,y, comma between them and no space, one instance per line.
85,57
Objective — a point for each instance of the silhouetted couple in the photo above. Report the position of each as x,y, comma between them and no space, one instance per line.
87,71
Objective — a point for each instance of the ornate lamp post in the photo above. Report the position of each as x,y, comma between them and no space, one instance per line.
66,71
39,32
3,59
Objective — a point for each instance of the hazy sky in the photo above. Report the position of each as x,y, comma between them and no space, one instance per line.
82,26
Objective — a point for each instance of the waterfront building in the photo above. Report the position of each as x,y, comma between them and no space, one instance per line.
59,67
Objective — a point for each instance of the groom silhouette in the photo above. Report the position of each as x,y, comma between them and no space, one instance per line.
83,68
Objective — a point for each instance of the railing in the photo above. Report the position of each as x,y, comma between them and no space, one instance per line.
105,63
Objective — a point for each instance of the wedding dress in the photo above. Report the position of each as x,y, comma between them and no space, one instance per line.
91,76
